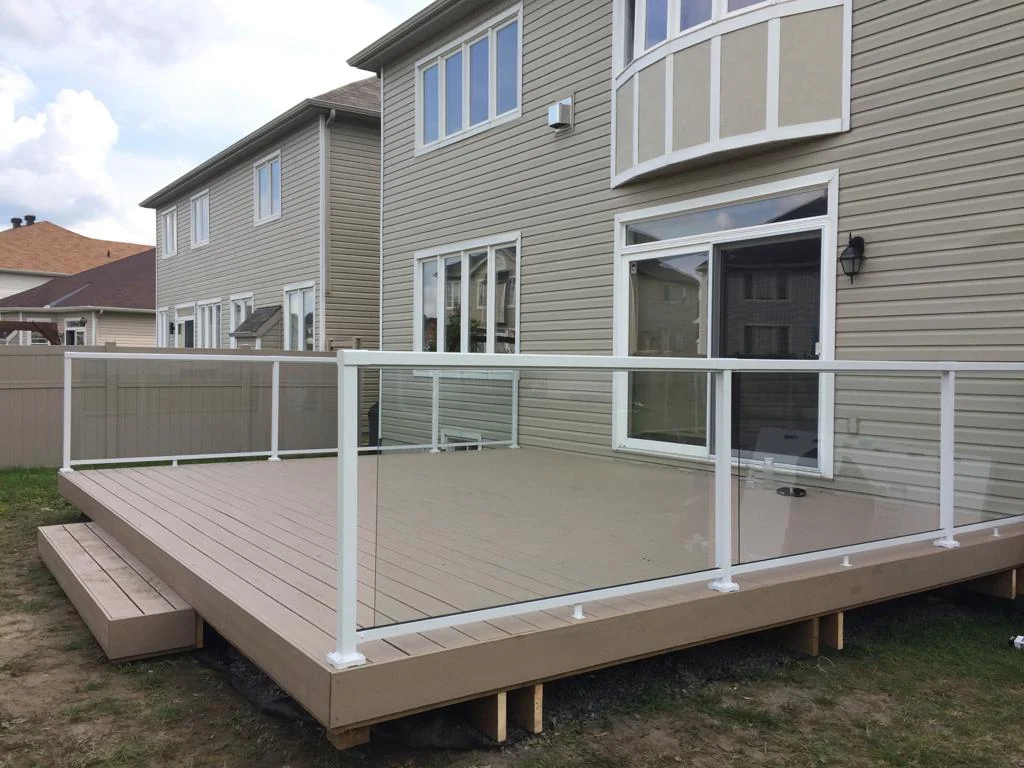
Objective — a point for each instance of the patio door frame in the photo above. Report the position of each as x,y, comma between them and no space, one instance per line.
711,243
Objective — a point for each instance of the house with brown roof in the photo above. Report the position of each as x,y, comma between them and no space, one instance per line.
32,252
284,224
114,302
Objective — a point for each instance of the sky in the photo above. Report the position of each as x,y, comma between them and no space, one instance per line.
103,102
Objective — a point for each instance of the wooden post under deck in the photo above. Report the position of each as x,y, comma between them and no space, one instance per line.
346,739
831,630
489,716
1004,584
526,708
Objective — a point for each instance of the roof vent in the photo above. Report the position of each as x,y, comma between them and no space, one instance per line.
15,221
30,219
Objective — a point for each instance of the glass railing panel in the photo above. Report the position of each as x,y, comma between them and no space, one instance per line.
309,407
404,409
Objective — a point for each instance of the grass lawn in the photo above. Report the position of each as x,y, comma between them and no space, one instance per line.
925,681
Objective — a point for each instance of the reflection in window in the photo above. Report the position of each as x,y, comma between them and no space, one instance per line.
428,306
656,23
797,205
507,75
431,106
453,94
694,12
506,300
478,308
453,310
479,63
735,5
300,311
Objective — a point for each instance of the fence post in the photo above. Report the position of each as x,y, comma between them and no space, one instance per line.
947,463
435,415
66,460
275,410
515,409
723,483
346,653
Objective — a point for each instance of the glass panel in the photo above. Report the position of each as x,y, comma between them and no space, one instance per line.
886,466
797,205
309,406
294,320
506,299
656,23
453,303
478,526
478,303
694,12
668,300
308,313
431,103
989,452
628,32
428,300
263,187
275,187
507,48
453,94
479,81
735,5
769,308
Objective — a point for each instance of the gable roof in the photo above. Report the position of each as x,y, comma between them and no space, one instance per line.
45,248
128,283
359,100
437,18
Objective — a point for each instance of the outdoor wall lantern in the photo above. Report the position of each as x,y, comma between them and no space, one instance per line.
852,257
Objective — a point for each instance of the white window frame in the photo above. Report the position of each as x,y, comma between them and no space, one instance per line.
490,244
166,251
267,161
81,325
624,255
180,318
309,285
201,197
236,300
163,325
208,337
462,44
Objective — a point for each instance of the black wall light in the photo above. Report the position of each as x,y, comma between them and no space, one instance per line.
852,257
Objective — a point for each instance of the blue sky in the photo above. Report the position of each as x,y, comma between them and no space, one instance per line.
102,102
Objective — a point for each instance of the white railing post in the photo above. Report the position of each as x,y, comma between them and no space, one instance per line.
275,411
515,409
947,462
723,483
346,653
66,457
435,413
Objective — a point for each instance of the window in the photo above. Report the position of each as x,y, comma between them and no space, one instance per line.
184,336
201,219
267,188
169,232
470,84
241,310
475,316
736,275
209,324
74,332
299,317
164,328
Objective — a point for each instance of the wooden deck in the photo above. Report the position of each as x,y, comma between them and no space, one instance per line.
251,547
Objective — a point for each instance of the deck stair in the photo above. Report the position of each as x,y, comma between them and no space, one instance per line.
130,611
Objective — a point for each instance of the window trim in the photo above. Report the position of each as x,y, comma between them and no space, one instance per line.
267,160
192,219
81,324
179,318
163,326
464,247
624,254
236,298
511,14
197,329
286,324
173,213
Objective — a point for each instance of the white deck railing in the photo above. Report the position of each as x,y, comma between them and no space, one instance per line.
720,577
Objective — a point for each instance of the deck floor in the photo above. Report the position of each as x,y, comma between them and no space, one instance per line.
252,547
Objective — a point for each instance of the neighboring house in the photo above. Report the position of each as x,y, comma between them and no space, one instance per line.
283,224
114,302
32,252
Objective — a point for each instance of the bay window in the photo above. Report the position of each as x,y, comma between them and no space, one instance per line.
480,310
471,83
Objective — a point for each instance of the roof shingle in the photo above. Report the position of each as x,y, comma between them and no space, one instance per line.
47,248
362,94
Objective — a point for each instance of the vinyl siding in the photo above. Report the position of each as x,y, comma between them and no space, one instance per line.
126,330
930,176
14,282
242,257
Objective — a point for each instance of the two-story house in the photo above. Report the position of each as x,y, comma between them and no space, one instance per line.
273,243
680,178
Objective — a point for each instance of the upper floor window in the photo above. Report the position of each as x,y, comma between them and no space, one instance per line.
201,219
474,317
470,84
169,232
267,188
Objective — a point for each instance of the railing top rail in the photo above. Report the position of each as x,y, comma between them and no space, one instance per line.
203,357
450,360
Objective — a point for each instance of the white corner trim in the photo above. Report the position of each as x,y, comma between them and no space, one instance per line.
322,149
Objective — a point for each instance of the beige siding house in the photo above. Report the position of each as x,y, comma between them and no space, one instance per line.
285,220
706,164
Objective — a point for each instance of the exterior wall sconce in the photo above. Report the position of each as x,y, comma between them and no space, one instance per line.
852,257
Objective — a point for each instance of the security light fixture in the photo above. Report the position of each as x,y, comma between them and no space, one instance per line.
852,257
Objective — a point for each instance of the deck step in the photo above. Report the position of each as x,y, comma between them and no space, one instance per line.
130,611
